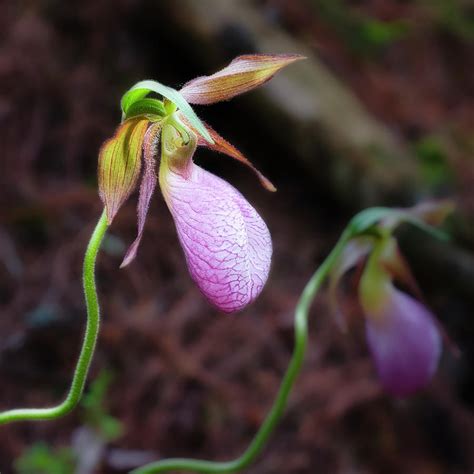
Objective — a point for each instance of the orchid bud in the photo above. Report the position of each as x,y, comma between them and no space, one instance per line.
402,334
405,343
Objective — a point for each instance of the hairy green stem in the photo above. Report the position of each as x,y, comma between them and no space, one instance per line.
279,405
88,345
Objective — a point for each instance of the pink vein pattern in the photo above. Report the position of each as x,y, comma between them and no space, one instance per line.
227,245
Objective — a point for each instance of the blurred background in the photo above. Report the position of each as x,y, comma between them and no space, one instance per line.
381,113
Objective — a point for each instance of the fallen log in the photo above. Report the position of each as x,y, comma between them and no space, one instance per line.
307,110
314,118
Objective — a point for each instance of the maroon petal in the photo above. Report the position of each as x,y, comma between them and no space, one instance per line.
221,145
355,251
147,188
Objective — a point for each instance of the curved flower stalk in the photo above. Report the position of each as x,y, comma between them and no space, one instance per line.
277,410
403,335
226,243
371,226
88,344
369,231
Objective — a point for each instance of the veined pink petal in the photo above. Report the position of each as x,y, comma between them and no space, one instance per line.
405,343
241,75
226,243
147,187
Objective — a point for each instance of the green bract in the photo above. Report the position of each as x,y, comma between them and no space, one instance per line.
141,89
365,222
153,109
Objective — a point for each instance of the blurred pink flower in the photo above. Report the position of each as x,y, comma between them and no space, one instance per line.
403,336
404,341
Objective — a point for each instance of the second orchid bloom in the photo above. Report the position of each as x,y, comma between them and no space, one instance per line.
226,243
403,336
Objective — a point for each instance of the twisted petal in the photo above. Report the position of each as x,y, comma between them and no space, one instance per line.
147,188
226,243
405,343
221,145
243,74
355,251
396,266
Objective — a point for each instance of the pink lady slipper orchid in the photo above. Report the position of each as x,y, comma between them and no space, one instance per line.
226,243
404,337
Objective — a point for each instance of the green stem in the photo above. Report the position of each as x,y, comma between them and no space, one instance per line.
88,345
278,408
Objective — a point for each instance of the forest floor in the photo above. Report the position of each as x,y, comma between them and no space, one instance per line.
186,380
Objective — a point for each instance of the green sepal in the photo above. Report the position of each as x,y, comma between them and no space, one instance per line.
120,164
141,89
429,229
147,107
366,222
130,97
375,282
